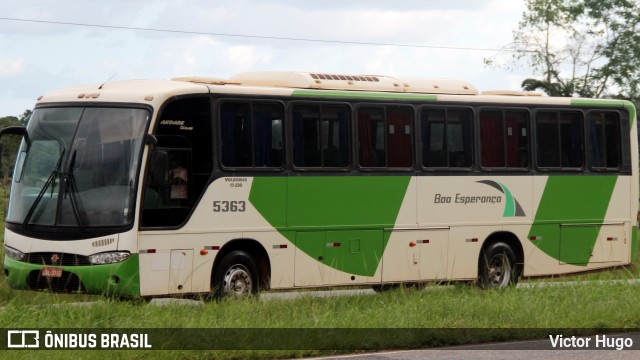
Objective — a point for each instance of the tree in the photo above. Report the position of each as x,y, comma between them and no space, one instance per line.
24,118
588,48
9,144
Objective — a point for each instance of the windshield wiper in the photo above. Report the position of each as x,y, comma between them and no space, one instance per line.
51,180
72,189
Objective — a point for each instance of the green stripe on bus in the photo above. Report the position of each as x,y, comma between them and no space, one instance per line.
346,95
628,105
571,200
598,102
350,212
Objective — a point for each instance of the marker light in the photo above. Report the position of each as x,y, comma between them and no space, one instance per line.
109,257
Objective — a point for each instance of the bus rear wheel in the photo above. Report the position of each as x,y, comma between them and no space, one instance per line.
498,267
236,276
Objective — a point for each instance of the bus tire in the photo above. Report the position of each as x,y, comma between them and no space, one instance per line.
384,288
498,267
236,276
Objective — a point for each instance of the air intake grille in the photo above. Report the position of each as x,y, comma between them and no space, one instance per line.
57,259
344,77
68,282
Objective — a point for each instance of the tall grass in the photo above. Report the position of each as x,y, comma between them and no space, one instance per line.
590,306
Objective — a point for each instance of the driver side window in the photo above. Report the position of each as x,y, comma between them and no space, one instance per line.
179,168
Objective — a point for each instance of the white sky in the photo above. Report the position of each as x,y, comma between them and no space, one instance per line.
37,57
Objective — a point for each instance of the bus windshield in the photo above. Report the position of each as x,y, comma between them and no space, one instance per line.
77,167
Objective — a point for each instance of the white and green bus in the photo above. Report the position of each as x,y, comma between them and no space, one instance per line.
284,180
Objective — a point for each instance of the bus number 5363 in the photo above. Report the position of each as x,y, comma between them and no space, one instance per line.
229,206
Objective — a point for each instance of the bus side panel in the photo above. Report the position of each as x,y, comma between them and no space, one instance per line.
281,254
401,260
469,200
402,257
633,184
465,243
568,232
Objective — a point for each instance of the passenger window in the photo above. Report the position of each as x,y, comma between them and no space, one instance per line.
447,138
559,139
604,140
385,137
504,137
321,136
251,135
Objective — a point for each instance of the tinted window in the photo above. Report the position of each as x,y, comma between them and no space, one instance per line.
251,134
559,139
604,139
321,136
504,139
447,137
384,135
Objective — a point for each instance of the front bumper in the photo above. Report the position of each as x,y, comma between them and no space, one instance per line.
119,279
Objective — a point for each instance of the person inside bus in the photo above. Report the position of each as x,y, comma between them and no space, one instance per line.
178,180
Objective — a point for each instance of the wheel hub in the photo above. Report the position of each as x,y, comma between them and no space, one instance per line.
499,270
237,281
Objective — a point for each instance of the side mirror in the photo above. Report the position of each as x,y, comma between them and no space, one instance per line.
13,130
16,130
151,140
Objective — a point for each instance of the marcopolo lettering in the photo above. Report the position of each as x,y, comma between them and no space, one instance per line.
172,122
180,123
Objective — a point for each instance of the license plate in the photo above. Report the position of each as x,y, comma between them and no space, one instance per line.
51,272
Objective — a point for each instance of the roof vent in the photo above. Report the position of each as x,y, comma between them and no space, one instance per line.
511,93
344,77
324,81
202,80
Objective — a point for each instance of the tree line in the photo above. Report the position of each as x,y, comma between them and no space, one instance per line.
585,48
9,145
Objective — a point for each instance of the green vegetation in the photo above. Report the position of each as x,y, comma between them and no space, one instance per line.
584,48
582,306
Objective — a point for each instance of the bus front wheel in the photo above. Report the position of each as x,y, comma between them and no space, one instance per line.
236,276
498,267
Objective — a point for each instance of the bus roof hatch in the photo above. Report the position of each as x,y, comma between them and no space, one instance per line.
304,80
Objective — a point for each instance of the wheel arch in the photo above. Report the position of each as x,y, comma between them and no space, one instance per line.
257,252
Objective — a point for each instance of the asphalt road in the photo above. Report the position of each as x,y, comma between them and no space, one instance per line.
515,350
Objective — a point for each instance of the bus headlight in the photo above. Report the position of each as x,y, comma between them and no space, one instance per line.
109,257
14,254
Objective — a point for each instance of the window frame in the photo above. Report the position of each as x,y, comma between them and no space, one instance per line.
384,106
219,102
503,110
472,146
620,143
289,134
558,111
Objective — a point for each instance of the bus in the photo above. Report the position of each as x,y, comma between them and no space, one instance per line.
286,180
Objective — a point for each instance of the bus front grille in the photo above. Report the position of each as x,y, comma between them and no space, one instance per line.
57,259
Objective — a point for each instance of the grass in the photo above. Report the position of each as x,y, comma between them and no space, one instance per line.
580,306
590,306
